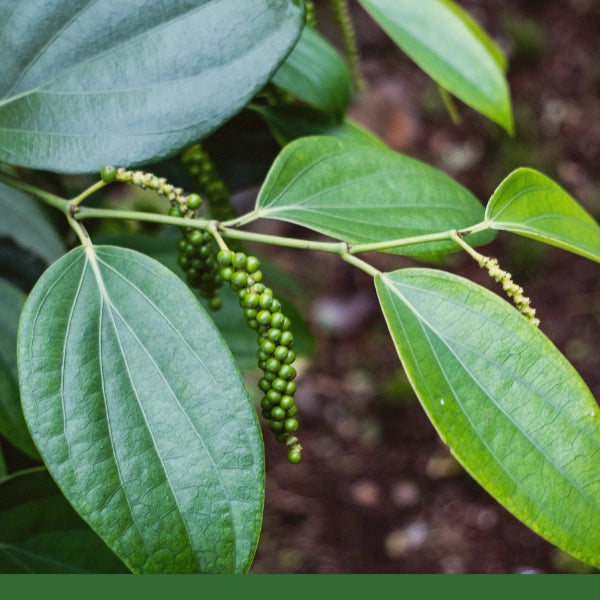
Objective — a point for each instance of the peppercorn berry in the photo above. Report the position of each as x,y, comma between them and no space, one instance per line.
108,174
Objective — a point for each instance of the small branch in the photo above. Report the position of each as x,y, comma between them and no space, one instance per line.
85,212
335,247
88,192
242,220
409,241
360,264
46,197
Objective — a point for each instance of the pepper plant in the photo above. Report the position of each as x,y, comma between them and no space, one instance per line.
120,363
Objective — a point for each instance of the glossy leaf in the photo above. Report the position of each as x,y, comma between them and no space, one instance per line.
12,423
24,221
531,204
315,73
448,45
510,406
41,533
361,193
88,83
140,414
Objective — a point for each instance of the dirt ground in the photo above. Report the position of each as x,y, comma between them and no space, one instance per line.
377,492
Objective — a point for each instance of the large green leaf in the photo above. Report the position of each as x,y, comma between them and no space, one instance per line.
510,406
140,414
24,221
362,193
41,533
12,423
85,83
317,74
533,205
449,46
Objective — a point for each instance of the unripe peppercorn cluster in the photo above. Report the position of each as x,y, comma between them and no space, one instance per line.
197,256
275,340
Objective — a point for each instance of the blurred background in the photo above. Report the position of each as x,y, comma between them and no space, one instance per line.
377,492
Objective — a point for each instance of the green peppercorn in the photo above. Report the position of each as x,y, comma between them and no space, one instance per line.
278,414
274,397
286,338
251,300
239,260
273,366
108,174
276,425
193,201
265,300
252,264
294,456
280,385
290,424
215,303
263,317
239,279
274,335
276,320
286,371
195,237
224,257
286,402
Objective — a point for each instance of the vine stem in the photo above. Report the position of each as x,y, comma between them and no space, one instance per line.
88,192
477,256
46,197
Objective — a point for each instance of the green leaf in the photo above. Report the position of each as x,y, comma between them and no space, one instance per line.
448,45
12,422
315,73
24,221
510,406
533,205
89,83
140,414
41,533
291,121
361,193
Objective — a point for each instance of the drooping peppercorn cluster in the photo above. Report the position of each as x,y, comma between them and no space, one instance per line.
275,355
197,254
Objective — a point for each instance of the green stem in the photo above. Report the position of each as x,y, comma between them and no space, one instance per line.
85,212
409,241
468,249
242,220
87,193
274,240
360,264
47,197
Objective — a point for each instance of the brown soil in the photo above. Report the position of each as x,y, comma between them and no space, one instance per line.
377,492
